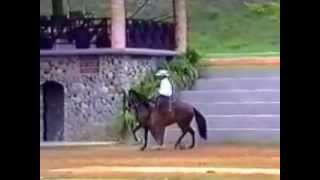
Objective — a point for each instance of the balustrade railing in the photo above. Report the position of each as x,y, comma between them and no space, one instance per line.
83,33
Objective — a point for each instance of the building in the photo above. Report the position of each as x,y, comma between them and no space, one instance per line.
82,82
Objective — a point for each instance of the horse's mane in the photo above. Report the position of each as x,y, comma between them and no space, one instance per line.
141,98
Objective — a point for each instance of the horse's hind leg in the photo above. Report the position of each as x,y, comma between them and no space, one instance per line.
191,131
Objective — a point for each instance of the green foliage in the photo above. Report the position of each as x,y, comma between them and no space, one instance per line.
229,26
182,72
127,122
271,9
193,56
147,85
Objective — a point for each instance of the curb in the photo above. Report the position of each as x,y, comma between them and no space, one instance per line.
74,144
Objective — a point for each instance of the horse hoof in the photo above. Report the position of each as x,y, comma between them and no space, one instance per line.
140,140
182,147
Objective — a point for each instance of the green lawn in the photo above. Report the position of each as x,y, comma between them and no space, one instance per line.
229,27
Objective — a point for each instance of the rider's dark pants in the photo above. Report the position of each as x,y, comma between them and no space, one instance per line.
164,101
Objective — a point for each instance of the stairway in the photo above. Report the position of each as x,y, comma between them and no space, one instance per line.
240,104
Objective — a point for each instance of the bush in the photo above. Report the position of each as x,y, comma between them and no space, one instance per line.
193,56
182,72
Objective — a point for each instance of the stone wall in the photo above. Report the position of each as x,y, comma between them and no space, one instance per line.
91,99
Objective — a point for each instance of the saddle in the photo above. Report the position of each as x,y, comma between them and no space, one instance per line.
171,101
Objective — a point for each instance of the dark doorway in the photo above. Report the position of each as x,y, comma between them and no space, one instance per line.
53,111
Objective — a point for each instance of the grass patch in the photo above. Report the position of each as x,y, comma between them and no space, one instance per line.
219,26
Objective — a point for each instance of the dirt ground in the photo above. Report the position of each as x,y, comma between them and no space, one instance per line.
239,156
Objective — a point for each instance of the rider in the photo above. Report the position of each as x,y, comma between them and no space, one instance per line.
165,92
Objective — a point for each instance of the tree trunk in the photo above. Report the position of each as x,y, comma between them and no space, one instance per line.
181,25
118,24
57,8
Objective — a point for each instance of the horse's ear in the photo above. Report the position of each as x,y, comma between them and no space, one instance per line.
134,92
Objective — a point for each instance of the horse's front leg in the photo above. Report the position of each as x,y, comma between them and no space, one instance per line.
134,132
146,130
158,134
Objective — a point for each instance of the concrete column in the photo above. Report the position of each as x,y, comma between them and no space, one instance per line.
181,25
118,24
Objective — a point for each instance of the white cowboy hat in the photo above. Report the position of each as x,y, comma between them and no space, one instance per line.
162,72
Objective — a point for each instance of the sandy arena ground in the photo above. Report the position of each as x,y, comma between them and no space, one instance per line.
127,161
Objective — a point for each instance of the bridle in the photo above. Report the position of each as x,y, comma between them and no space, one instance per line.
134,104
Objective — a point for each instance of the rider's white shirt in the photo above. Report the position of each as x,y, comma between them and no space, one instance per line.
165,87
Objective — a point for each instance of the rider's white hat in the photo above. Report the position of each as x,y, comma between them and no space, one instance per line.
162,72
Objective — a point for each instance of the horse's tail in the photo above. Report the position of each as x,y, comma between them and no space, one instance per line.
201,121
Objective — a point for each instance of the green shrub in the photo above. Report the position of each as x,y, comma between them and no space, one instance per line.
193,56
127,122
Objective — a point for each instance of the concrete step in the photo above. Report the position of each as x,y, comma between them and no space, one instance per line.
233,108
229,135
239,121
222,135
216,72
237,83
236,95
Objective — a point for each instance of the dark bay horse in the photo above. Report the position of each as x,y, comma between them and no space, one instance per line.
157,118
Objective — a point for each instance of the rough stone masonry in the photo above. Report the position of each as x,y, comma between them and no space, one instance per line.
92,89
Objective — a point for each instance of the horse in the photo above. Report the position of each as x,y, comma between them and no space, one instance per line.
156,118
